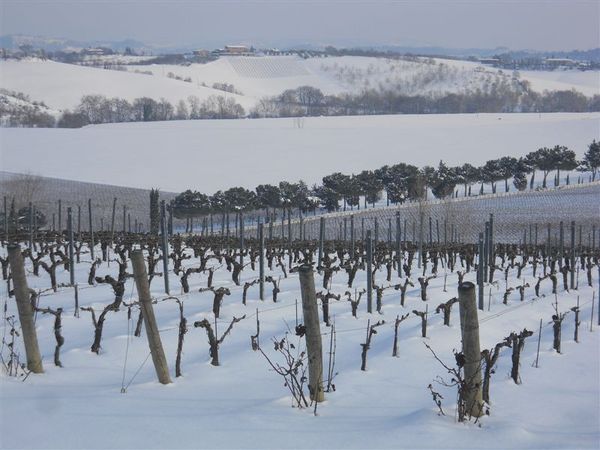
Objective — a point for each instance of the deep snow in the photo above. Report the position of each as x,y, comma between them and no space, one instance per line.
212,155
242,404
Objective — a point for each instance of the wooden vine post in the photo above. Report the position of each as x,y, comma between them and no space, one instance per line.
165,246
17,269
156,349
314,346
261,261
91,229
369,250
71,246
469,325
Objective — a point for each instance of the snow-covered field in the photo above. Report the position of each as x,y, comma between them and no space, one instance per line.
61,86
243,404
212,155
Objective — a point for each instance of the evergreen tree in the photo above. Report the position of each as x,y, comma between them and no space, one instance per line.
591,159
154,211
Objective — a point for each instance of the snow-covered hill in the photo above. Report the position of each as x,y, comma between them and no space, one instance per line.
61,86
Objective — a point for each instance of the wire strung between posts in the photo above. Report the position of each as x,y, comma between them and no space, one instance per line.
138,371
123,388
126,354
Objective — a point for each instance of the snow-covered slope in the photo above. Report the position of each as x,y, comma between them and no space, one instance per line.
61,86
587,83
212,155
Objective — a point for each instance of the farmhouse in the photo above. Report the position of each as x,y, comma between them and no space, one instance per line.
237,50
560,62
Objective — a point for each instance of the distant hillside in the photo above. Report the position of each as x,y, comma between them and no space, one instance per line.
247,80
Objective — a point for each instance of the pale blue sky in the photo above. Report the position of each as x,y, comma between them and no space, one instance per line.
517,24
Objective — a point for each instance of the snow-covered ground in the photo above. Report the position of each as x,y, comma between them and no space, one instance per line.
243,404
212,155
61,86
587,82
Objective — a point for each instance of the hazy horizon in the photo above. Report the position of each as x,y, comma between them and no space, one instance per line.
519,25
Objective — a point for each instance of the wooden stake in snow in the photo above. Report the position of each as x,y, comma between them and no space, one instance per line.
156,348
91,229
537,356
314,346
17,269
261,261
71,246
469,325
369,250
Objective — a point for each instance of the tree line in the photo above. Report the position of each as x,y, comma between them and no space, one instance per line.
401,182
502,98
299,102
95,109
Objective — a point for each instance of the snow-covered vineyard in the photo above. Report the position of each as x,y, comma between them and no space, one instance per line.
519,217
389,328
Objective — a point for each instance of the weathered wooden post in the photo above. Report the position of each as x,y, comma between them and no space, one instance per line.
314,346
261,261
430,231
35,224
156,348
445,231
71,246
398,245
241,239
289,224
79,221
5,219
491,253
17,269
352,235
486,251
549,240
321,240
60,216
290,252
561,244
572,262
376,231
30,226
480,272
362,229
420,255
369,249
112,221
469,325
165,246
124,219
91,229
